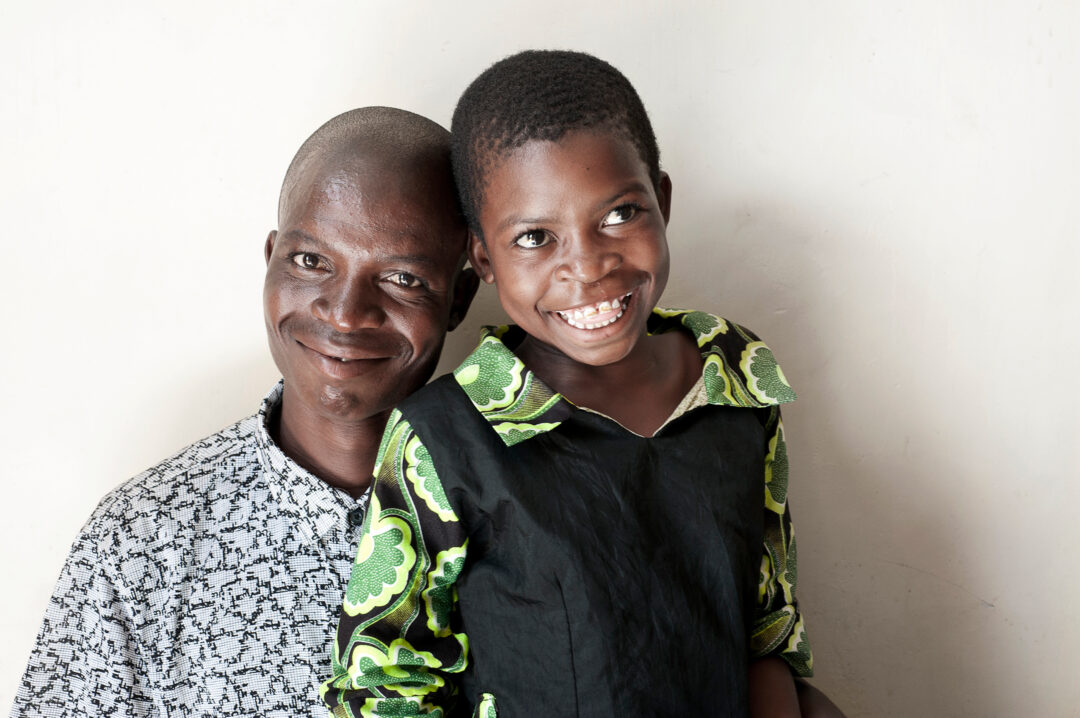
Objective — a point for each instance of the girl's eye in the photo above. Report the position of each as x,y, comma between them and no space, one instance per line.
307,260
406,280
532,239
620,215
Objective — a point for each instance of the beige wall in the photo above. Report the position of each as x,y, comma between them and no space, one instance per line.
886,191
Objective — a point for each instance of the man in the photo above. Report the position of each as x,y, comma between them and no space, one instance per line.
209,585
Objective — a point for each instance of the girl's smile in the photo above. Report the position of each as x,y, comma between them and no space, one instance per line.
595,316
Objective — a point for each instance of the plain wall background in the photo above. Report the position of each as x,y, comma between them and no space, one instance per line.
886,191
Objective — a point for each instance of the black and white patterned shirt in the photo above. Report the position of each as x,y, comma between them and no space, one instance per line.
207,586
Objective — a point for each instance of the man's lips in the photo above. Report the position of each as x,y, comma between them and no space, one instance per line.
598,314
344,363
347,355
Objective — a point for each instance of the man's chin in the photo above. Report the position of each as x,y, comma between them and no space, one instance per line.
350,405
351,401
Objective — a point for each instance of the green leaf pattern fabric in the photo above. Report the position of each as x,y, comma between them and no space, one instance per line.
776,471
439,595
486,707
390,708
384,561
766,379
395,659
779,628
491,377
421,472
400,669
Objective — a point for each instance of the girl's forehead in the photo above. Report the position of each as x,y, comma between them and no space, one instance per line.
593,140
583,159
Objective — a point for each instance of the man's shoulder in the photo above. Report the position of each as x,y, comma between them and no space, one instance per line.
174,489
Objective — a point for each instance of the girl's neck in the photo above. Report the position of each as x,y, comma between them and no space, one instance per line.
639,391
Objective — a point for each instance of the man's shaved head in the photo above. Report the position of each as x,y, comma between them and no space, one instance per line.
383,136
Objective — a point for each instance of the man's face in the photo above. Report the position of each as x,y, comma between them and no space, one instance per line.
360,284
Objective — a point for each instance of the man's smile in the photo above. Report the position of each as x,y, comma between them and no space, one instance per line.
348,355
346,362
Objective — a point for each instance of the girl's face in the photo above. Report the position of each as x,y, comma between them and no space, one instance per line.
574,240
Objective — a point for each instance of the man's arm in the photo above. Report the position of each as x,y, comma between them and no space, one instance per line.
396,650
778,645
86,660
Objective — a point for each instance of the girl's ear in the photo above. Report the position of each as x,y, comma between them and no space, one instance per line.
663,196
478,257
464,290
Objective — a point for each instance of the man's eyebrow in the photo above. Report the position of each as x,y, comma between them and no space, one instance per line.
413,259
295,235
298,236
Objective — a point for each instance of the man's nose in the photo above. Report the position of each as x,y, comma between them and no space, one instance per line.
588,257
350,304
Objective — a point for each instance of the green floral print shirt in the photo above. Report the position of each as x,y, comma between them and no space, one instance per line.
399,648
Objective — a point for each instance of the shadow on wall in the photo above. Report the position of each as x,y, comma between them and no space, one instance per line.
485,310
885,558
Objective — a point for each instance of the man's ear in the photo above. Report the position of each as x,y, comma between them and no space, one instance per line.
478,257
464,290
268,248
663,196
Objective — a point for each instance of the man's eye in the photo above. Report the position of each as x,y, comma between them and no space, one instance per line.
406,280
619,215
307,260
532,239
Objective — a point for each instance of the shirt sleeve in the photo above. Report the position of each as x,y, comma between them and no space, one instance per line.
778,629
397,651
86,660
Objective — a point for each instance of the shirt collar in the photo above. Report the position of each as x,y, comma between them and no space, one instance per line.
739,370
316,507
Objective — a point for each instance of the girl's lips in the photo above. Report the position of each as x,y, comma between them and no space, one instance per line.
595,316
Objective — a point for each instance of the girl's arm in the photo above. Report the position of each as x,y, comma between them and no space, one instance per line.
772,689
396,653
773,693
778,628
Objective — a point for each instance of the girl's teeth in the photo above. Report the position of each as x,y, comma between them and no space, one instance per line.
582,325
576,317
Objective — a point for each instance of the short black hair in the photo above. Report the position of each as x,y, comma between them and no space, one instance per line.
541,95
380,131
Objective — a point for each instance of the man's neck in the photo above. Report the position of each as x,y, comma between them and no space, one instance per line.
340,453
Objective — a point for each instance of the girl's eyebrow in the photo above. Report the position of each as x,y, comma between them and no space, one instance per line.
635,186
515,221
